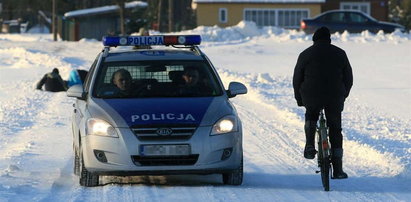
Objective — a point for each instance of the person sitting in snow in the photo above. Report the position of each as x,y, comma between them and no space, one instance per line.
77,76
52,82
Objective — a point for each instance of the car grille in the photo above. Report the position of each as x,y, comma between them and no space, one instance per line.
165,160
178,133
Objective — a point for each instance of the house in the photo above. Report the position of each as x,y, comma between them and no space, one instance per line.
281,13
11,26
375,8
93,23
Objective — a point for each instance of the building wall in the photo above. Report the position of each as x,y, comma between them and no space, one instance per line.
95,27
379,8
207,13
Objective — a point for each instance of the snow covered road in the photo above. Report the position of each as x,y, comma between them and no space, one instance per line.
35,138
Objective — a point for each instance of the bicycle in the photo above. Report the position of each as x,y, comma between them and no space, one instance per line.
323,155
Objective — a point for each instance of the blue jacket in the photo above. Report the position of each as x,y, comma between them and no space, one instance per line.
76,77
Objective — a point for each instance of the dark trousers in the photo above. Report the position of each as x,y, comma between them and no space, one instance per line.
333,116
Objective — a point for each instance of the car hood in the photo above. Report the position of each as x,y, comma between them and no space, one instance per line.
160,111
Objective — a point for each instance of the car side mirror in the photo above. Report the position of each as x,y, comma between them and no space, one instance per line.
77,92
236,88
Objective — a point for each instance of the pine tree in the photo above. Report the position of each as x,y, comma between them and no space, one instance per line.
400,12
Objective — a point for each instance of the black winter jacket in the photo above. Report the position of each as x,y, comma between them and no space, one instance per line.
52,82
322,75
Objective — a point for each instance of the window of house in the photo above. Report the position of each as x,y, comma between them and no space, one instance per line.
288,18
358,6
222,15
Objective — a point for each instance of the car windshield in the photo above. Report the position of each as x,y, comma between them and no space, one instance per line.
156,79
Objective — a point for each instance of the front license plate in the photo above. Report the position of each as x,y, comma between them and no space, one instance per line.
165,150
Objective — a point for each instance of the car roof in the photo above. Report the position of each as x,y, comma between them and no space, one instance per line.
344,11
152,54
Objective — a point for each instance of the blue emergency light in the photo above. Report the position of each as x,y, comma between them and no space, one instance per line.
151,40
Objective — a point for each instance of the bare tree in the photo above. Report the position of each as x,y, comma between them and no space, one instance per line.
120,4
170,15
160,7
54,21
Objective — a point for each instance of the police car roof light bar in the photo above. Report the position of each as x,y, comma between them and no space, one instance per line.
165,40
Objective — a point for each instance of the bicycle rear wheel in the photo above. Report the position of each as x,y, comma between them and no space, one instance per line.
325,173
324,161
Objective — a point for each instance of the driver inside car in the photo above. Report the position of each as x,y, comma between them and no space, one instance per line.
122,80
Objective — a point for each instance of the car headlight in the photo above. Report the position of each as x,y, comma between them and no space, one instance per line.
225,125
100,127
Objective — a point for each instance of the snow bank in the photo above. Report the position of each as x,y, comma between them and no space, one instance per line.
29,37
246,30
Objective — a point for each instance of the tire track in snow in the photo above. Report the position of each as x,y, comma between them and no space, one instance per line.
17,117
274,166
275,132
19,112
378,166
31,142
361,126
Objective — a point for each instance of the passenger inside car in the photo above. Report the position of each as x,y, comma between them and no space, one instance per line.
163,79
191,77
194,83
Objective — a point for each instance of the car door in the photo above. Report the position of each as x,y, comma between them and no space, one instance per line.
359,23
334,21
80,106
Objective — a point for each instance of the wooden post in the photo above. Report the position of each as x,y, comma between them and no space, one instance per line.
54,21
122,9
159,14
170,15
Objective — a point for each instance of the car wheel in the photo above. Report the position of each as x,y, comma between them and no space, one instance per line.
234,177
87,179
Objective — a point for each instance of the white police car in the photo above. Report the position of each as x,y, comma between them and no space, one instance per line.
155,112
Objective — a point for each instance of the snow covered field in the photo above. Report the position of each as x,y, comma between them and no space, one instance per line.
35,133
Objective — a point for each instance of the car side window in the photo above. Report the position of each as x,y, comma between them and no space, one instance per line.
357,18
333,17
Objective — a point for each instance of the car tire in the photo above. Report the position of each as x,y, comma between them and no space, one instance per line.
87,178
234,177
76,167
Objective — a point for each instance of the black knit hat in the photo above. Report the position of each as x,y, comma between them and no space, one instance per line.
322,33
55,70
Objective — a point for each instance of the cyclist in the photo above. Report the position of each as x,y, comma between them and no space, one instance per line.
323,79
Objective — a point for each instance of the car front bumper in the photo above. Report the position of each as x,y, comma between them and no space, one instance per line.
122,154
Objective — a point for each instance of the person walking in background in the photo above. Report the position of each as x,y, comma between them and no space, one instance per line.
323,79
52,82
142,32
